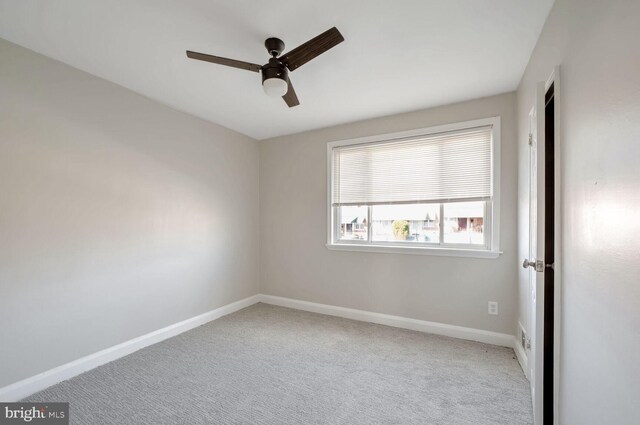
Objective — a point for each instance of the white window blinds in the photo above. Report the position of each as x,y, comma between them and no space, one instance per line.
432,168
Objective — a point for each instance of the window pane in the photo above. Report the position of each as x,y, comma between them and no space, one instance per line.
406,223
464,223
353,223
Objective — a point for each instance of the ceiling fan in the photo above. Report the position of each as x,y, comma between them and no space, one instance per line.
275,78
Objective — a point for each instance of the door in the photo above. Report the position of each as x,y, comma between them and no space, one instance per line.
535,262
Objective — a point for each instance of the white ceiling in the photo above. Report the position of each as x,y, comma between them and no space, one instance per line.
398,56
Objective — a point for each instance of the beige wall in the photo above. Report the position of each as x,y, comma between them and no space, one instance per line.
295,262
595,43
118,216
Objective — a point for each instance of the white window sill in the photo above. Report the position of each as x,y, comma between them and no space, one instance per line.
444,252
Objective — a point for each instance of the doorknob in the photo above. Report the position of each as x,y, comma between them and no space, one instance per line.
538,265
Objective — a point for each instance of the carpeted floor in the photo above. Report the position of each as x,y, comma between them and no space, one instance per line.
272,365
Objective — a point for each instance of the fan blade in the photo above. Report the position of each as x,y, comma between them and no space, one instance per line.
224,61
290,97
312,48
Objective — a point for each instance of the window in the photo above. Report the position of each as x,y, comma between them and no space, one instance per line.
433,190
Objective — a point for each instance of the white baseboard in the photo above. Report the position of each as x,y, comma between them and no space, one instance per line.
521,355
26,387
461,332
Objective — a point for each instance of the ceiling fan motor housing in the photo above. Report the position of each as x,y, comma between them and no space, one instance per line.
274,69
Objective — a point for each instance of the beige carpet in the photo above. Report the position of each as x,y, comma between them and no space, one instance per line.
272,365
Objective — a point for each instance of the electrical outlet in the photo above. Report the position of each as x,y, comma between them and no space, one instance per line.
493,308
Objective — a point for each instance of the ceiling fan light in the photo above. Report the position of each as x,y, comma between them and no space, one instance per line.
275,87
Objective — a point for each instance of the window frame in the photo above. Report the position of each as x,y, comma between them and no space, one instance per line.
491,248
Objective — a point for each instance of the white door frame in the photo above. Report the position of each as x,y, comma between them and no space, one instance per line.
536,250
537,293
